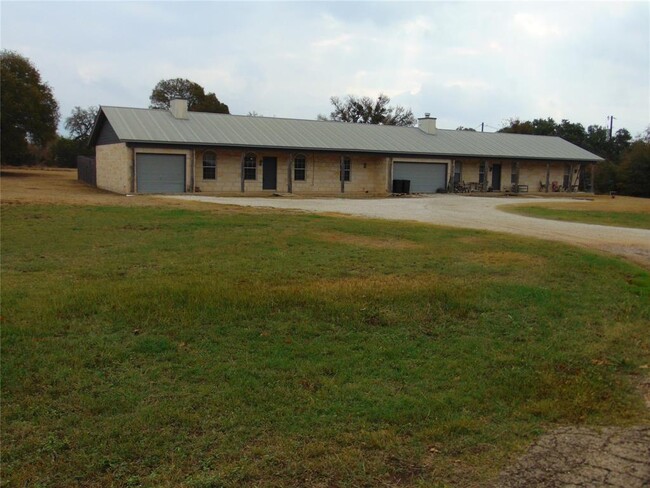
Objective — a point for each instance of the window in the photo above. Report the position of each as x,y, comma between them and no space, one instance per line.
458,170
481,172
347,165
299,168
250,167
209,165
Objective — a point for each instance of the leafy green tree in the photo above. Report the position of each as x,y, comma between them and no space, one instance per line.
572,132
29,114
635,170
198,101
544,127
469,129
365,110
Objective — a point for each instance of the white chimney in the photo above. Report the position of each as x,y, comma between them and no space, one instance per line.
178,108
427,124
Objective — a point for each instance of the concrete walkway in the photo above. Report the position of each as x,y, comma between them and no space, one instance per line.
466,212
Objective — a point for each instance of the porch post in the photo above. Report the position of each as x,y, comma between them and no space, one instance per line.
342,174
516,177
243,157
548,174
591,183
570,189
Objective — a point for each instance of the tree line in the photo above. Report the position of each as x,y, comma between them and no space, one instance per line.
30,116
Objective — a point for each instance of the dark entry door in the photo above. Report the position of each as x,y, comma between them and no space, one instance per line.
269,173
496,177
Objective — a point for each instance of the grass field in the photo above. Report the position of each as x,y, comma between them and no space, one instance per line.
147,346
619,211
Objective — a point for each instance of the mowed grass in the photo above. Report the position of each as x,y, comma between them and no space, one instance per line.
170,347
618,212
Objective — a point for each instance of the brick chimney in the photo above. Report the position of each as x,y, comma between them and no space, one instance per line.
178,108
428,124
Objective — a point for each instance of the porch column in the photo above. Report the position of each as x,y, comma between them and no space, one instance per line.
342,174
591,183
516,189
243,158
570,189
548,175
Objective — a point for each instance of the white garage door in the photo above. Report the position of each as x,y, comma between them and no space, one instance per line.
160,173
424,177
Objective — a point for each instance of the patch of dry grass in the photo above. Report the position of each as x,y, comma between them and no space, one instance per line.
368,242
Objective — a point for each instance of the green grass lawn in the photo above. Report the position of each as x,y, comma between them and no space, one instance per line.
170,347
640,220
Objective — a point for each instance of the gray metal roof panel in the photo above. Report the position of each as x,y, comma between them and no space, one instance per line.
160,126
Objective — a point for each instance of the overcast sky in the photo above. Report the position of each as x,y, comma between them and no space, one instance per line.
465,62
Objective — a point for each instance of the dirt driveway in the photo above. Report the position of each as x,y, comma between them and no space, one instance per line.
467,212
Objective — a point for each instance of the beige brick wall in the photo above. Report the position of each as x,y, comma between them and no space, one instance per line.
368,175
114,171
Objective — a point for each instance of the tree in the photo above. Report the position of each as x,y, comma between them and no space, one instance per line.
469,129
516,126
635,170
29,114
80,123
572,132
365,110
197,100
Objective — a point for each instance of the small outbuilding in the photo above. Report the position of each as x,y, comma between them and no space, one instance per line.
177,151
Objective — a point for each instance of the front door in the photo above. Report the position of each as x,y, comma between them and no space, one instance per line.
496,177
269,173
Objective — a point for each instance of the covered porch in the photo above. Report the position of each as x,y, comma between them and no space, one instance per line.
470,175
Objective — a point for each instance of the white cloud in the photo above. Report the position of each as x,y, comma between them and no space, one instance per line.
535,25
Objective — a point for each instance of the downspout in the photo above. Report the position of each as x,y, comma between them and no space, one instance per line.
452,167
243,157
193,172
134,179
289,180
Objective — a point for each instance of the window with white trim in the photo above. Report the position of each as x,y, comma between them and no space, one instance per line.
250,167
299,168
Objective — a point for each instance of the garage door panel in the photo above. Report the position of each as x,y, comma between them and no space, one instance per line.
424,177
160,173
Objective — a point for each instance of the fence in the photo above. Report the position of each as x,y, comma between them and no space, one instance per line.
87,170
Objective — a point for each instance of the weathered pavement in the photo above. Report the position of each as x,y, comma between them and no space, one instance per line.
586,458
467,212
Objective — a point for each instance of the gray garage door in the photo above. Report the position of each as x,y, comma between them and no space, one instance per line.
425,177
160,173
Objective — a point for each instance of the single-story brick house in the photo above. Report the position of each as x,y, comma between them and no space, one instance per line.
176,151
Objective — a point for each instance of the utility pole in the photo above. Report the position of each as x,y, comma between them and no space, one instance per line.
611,126
482,124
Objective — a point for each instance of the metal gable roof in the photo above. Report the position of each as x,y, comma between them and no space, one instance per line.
160,126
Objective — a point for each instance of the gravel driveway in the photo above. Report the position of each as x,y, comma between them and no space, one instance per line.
467,212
